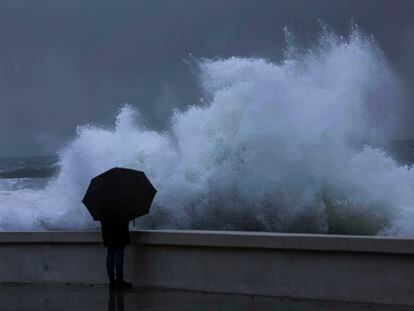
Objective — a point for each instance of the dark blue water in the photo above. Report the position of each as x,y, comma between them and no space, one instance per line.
27,172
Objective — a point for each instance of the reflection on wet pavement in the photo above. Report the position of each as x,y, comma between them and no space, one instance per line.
80,298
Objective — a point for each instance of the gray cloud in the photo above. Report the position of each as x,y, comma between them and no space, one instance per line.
65,63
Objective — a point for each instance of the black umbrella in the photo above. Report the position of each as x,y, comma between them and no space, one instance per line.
120,194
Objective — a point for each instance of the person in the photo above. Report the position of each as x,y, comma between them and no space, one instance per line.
115,236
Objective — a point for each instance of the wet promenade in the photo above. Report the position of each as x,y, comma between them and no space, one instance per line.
82,298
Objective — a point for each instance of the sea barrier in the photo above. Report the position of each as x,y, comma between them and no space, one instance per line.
305,266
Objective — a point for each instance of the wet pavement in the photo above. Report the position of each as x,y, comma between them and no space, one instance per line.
79,298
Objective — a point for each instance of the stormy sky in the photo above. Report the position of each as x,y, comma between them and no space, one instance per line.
70,62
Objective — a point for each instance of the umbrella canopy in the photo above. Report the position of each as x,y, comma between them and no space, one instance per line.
120,194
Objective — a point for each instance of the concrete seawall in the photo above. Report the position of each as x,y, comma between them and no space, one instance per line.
344,268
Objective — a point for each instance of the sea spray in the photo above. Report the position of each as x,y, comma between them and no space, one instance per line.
286,146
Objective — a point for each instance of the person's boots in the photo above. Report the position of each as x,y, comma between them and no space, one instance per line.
112,283
120,283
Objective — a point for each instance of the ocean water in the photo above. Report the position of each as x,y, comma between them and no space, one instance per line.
302,145
34,174
27,172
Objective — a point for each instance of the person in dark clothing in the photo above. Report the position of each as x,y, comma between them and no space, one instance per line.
115,237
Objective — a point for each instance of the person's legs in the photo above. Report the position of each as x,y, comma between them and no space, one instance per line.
119,267
119,262
110,263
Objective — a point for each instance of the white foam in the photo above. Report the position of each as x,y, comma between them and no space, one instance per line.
280,146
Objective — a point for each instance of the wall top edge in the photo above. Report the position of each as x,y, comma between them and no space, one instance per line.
228,239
